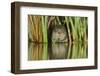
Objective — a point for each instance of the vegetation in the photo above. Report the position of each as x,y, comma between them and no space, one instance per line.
38,32
39,27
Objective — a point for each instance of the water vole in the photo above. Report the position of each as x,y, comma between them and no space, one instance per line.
59,33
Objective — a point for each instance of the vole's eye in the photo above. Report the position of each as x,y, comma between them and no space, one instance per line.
56,30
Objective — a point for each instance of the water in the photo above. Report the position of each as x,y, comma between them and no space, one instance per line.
54,51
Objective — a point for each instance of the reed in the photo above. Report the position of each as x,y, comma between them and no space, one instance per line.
38,27
44,28
67,24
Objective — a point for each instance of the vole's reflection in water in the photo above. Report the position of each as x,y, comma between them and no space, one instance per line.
58,51
44,51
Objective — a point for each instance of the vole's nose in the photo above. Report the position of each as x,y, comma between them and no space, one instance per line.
59,32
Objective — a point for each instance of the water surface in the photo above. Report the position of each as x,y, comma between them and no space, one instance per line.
54,51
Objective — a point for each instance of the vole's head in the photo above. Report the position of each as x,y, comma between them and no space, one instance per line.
59,33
